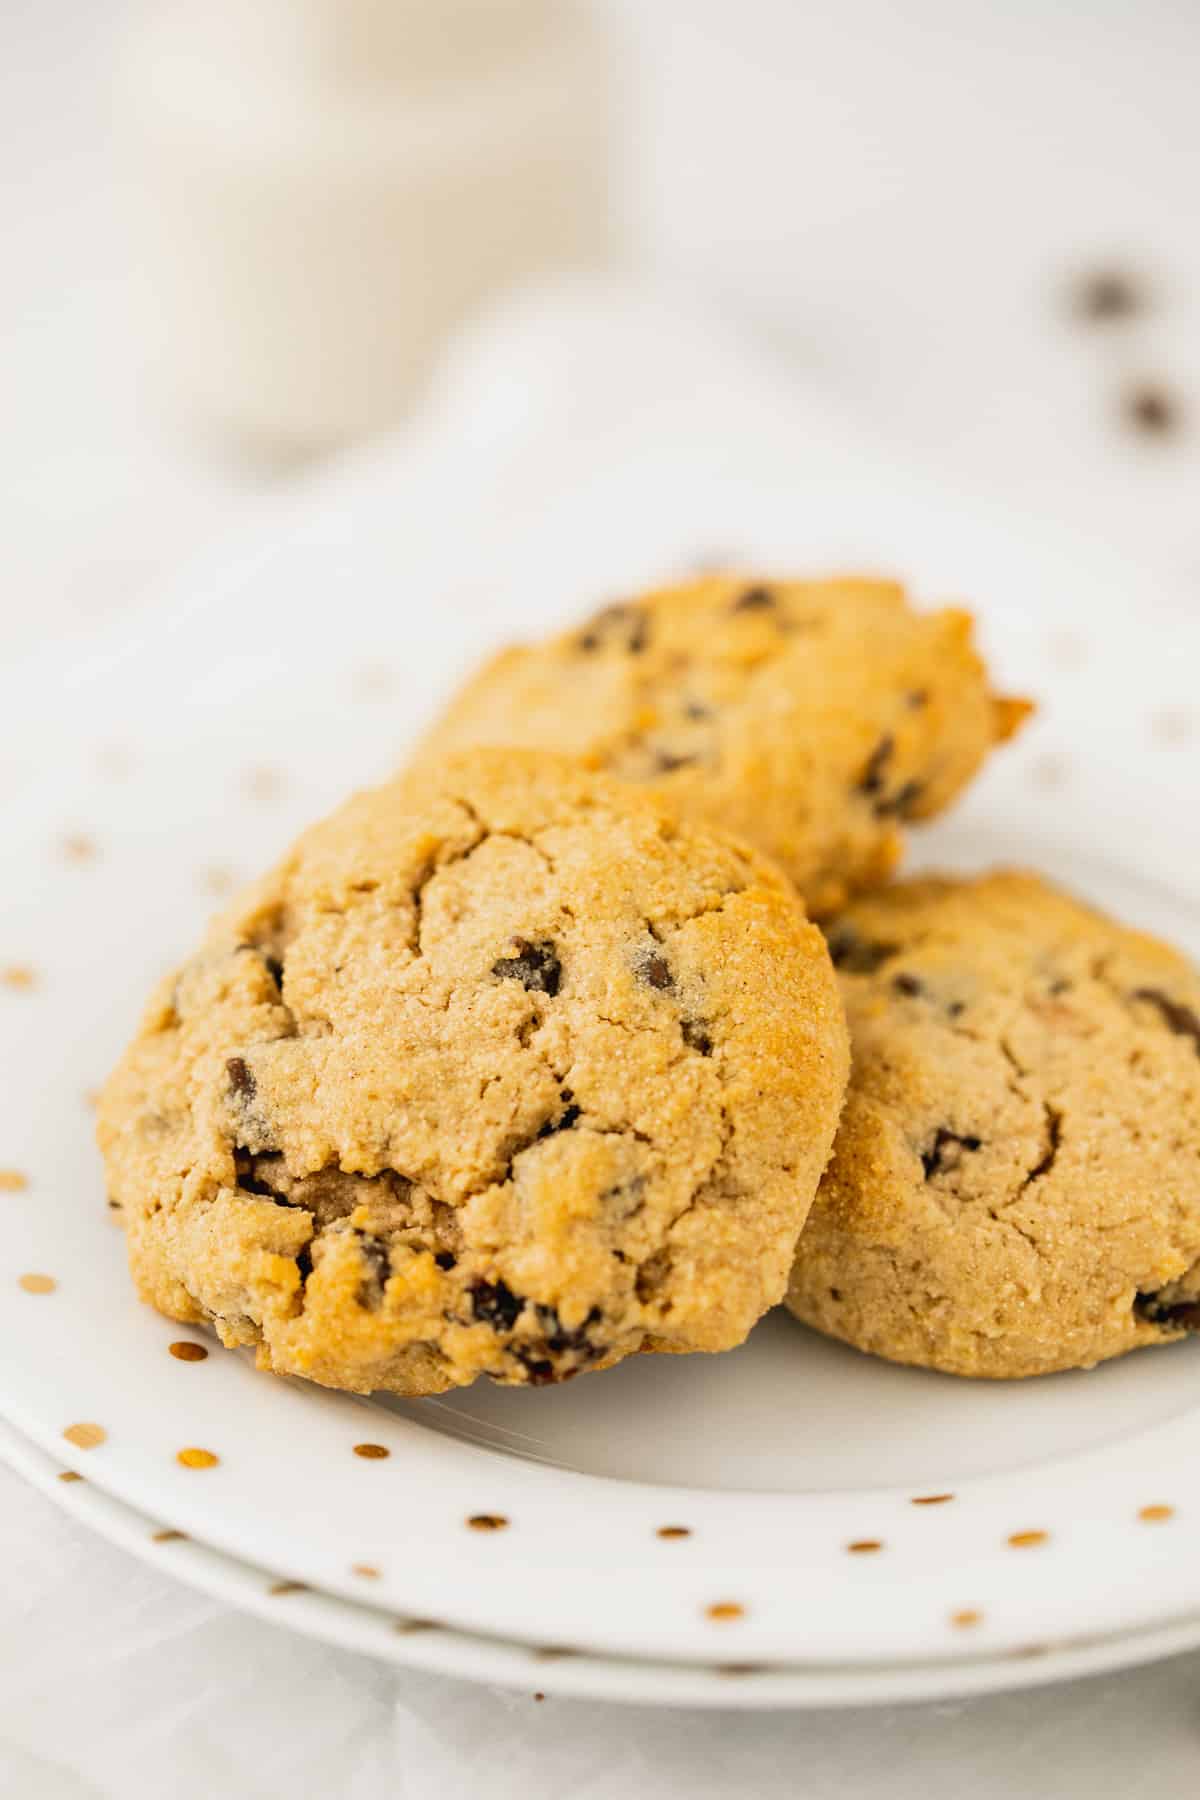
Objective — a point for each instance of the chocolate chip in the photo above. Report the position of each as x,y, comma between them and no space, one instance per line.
696,710
379,1267
444,1260
902,804
541,1372
855,954
559,1338
629,1194
754,599
253,1175
535,966
1152,409
652,1276
616,627
696,1036
1176,1315
495,1304
904,983
655,971
918,698
667,761
943,1154
241,1078
1180,1018
874,775
1105,295
565,1119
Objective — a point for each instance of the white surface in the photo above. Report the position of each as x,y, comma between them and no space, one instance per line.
938,169
246,674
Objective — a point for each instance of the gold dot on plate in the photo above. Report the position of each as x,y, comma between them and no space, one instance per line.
674,1531
186,1351
539,1696
192,1458
113,761
78,849
12,1181
1155,1515
279,1588
70,1475
168,1536
1027,1540
734,1669
931,1499
487,1521
85,1436
865,1546
1067,650
262,783
371,1452
722,1610
37,1284
373,683
407,1626
1172,726
368,1571
1050,771
964,1620
554,1652
18,976
217,879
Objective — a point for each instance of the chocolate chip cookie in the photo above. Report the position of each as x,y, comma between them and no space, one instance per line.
813,718
1015,1186
502,1071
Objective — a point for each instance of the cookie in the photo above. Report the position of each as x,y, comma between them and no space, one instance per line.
501,1071
814,719
1015,1186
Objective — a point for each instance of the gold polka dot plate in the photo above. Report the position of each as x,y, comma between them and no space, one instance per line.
792,1510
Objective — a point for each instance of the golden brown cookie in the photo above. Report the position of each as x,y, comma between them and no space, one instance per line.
813,718
501,1071
1015,1185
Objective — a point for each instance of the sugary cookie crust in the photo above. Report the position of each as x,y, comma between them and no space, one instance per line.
502,1071
1015,1185
811,718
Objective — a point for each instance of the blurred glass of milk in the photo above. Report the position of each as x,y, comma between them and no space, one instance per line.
324,188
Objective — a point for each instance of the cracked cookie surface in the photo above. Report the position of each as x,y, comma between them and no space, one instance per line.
503,1070
813,718
1015,1185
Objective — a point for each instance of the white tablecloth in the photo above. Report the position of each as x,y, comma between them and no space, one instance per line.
896,195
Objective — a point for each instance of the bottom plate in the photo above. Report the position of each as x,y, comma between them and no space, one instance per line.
417,1643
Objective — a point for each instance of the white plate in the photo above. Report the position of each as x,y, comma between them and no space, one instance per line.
419,1643
197,745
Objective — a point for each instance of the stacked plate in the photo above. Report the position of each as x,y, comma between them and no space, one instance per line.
792,1524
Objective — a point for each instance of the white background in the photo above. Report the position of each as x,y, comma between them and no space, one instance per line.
898,199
